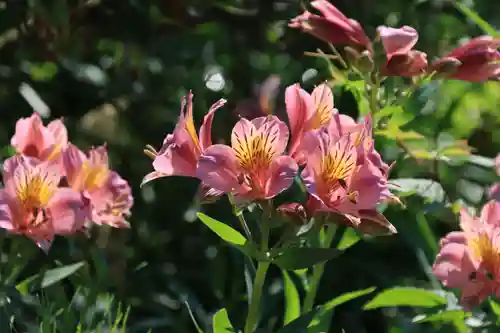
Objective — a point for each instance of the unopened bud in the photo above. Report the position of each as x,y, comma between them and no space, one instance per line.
352,55
365,62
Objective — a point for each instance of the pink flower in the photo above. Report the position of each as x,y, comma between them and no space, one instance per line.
33,139
475,61
469,260
332,26
306,113
398,44
181,150
253,167
340,176
109,194
33,204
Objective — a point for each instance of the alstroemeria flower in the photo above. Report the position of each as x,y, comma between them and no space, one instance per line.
476,61
332,27
33,139
109,194
307,112
181,150
470,260
398,44
494,192
33,204
253,167
341,181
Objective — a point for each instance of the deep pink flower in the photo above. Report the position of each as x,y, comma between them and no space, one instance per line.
253,167
340,176
469,260
398,44
307,112
332,26
181,150
475,61
33,204
109,194
33,139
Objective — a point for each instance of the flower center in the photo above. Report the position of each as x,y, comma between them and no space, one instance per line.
485,251
34,192
94,176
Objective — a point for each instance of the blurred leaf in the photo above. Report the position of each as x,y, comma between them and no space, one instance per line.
483,161
426,188
321,321
48,278
304,257
300,324
443,316
221,322
43,72
292,299
358,90
405,296
349,238
399,117
478,20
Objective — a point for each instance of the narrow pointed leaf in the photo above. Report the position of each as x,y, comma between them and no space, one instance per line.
221,322
292,299
304,257
406,296
48,278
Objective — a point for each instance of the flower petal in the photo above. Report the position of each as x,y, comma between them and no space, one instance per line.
206,126
218,167
281,174
68,211
400,40
299,107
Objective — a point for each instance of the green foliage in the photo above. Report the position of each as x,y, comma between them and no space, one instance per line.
405,296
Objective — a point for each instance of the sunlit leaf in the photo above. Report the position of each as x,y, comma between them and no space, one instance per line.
292,299
48,278
300,324
223,230
405,296
443,316
221,322
427,188
349,238
321,321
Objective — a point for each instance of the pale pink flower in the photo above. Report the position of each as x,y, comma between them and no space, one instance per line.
33,204
470,259
307,112
340,176
109,194
332,26
475,61
181,149
253,167
33,139
398,44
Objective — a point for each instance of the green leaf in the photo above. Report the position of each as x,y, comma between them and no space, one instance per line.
221,322
443,316
405,296
223,230
47,278
349,238
300,324
43,72
427,188
304,257
292,299
482,161
478,20
358,90
321,321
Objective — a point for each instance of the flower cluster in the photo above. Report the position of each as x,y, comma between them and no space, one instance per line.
53,188
341,170
475,61
470,259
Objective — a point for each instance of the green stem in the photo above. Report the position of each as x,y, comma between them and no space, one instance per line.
240,217
373,95
260,275
318,272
